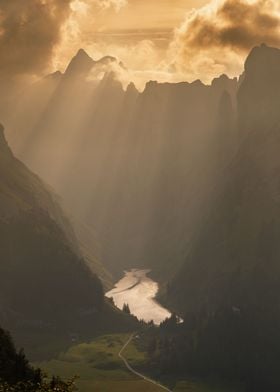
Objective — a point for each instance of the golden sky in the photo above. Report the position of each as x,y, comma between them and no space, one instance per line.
124,28
167,40
146,14
171,39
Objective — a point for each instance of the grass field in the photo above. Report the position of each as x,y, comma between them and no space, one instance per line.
101,370
98,366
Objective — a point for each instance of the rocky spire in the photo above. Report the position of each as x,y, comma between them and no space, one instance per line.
80,64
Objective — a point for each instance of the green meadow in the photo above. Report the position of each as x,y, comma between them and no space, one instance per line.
99,368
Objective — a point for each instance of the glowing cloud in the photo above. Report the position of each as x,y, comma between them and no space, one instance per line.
216,38
29,31
38,36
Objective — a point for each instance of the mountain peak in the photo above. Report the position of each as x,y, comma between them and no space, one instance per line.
53,76
224,83
81,63
81,52
221,78
82,56
131,89
263,57
259,92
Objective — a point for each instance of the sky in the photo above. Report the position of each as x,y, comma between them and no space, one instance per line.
166,40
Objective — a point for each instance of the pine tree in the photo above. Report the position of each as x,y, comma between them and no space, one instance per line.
126,308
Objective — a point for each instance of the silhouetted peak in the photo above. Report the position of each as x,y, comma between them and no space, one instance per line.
263,58
131,89
131,92
197,82
54,76
224,83
150,85
259,93
220,79
82,54
80,64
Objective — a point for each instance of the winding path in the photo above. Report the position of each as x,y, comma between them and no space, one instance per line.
134,371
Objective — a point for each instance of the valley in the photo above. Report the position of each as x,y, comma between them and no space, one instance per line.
139,227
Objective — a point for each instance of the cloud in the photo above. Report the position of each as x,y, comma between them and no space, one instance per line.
37,36
84,5
116,4
85,21
29,31
132,54
155,70
212,40
216,38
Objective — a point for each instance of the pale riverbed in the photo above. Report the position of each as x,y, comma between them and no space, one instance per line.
139,291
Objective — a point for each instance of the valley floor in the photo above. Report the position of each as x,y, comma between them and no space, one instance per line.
101,369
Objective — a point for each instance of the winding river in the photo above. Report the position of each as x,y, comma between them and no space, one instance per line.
139,291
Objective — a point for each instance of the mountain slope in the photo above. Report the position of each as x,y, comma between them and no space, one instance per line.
38,261
243,220
229,284
46,288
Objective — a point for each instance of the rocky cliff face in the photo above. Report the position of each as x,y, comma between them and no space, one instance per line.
235,258
231,277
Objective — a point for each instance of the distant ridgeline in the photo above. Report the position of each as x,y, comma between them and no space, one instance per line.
46,288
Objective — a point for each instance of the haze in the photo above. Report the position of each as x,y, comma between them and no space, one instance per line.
140,195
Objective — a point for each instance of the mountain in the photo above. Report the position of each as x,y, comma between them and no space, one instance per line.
133,167
47,291
228,287
242,223
80,64
33,229
180,178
